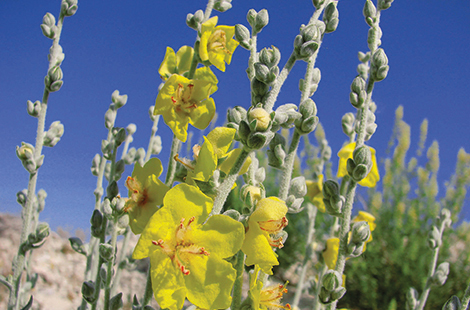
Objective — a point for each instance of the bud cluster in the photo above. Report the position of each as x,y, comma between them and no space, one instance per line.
222,5
25,153
309,120
69,7
307,42
53,135
255,132
360,233
360,165
312,85
347,123
332,289
194,20
37,238
331,17
297,191
334,202
257,20
266,72
277,151
371,126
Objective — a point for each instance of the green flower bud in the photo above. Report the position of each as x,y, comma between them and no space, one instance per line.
270,56
236,115
21,197
49,31
330,189
412,297
324,296
25,152
363,155
384,4
360,232
95,164
48,20
363,57
379,65
41,200
106,251
445,217
258,140
285,116
276,152
298,41
88,291
115,303
109,118
243,131
308,108
331,17
307,49
96,223
33,108
435,239
334,205
338,293
250,17
308,122
223,5
261,20
369,12
347,123
119,169
77,245
131,129
298,187
42,232
355,249
119,134
107,209
69,7
103,274
440,276
53,135
318,3
56,55
242,35
262,73
118,100
332,280
190,21
259,88
452,303
294,205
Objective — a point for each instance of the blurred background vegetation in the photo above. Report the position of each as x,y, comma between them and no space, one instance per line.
405,204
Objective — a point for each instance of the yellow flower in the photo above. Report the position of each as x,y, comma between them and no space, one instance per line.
178,63
188,256
146,193
217,43
264,224
347,152
182,101
330,254
215,148
268,298
315,193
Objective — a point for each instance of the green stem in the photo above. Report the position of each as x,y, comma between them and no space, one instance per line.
152,137
312,213
148,289
120,259
344,233
432,270
289,166
209,7
281,78
27,213
238,285
226,186
170,175
100,262
465,299
194,62
109,269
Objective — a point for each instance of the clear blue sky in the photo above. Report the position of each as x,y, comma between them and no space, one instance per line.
112,45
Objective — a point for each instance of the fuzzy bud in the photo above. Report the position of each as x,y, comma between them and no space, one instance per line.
96,223
222,5
261,20
69,7
270,56
118,100
77,245
88,291
242,35
412,297
360,232
440,276
33,108
106,251
53,135
298,187
452,303
276,152
261,118
331,17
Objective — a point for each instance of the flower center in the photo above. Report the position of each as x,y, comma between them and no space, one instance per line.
217,42
139,196
271,297
273,227
182,100
180,249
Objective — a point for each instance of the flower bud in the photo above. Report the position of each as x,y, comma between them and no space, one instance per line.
242,35
298,187
95,165
384,4
250,17
330,189
77,245
25,152
48,20
43,231
285,116
318,3
53,135
261,20
262,73
107,209
332,280
119,134
331,17
260,118
118,100
41,200
140,156
236,115
190,21
106,251
373,37
259,140
276,152
270,56
412,297
109,118
49,31
452,303
360,232
33,108
131,129
21,197
96,223
223,5
310,33
440,276
308,122
347,123
69,7
362,155
369,12
112,190
88,291
445,217
115,303
435,239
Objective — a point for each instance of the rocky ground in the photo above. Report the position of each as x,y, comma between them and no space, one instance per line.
60,270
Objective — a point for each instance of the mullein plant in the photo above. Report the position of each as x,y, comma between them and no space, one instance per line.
198,244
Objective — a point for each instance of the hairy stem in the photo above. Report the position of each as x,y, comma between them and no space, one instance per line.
238,285
281,78
289,166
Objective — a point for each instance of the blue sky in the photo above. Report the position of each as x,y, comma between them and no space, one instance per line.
112,45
